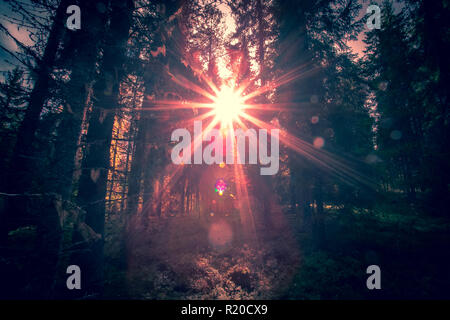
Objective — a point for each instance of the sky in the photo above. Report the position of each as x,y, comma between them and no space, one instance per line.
4,41
7,42
358,46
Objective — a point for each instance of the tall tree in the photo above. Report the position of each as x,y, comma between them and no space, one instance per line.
412,131
312,46
19,175
13,97
96,162
82,60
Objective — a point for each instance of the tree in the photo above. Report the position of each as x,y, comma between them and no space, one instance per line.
82,60
96,161
13,96
18,180
325,90
412,129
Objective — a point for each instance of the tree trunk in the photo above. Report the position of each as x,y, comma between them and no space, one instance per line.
137,164
19,174
94,177
319,220
18,178
87,41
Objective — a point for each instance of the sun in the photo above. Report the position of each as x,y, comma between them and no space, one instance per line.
228,105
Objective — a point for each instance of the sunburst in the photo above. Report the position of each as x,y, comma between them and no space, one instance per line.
228,107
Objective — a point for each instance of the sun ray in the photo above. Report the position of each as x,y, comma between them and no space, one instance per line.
185,83
200,117
320,157
290,76
162,105
228,107
286,106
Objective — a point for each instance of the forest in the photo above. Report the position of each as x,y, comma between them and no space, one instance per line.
224,149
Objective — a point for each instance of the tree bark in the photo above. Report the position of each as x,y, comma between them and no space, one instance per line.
19,171
87,41
96,163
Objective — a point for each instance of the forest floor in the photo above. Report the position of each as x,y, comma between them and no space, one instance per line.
188,257
192,258
211,257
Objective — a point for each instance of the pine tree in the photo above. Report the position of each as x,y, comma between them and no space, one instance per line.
96,161
19,174
13,96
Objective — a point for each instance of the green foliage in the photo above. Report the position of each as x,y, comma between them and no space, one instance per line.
326,276
407,74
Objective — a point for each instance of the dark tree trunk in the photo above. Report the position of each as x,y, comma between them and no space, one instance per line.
319,219
137,164
94,177
19,171
87,42
18,178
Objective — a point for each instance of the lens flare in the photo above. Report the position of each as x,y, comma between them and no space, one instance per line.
220,235
220,187
228,106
